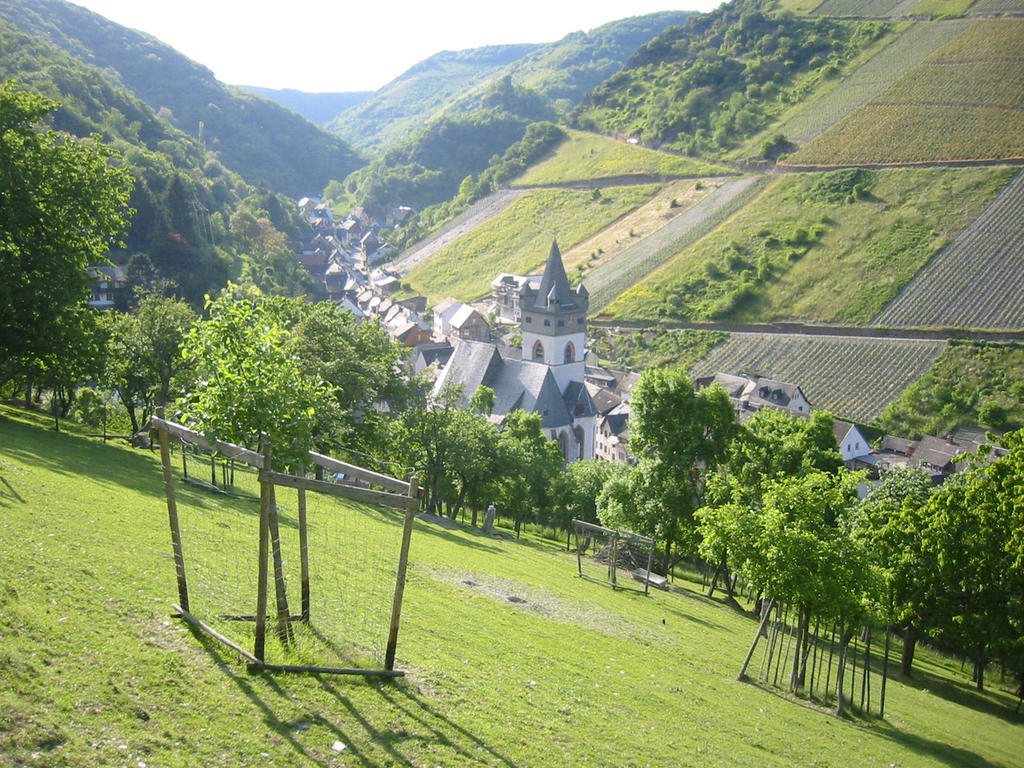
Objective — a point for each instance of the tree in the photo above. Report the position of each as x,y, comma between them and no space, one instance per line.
579,488
63,203
974,544
249,382
144,353
891,521
531,461
769,446
361,364
679,436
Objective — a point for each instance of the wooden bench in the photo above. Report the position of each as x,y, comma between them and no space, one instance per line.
643,575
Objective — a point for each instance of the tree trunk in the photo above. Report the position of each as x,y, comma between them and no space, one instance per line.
980,662
909,644
844,642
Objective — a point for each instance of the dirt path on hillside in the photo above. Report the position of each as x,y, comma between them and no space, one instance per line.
812,329
490,206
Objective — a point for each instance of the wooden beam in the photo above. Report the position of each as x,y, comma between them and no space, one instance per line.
340,489
172,515
215,634
403,564
252,458
374,478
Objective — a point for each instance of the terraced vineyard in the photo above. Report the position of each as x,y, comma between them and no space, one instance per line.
985,7
906,51
857,8
978,281
853,378
606,282
963,103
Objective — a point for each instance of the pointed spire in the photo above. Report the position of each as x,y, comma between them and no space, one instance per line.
554,285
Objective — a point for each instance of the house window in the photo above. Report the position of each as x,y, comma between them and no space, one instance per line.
538,352
547,323
561,323
570,353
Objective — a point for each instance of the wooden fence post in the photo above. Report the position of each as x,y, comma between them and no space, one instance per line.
403,564
172,515
264,558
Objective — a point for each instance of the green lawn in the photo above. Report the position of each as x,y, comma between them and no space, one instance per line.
96,672
586,156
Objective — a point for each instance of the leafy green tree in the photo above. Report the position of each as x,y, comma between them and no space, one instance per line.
578,489
249,381
531,462
891,520
974,544
144,353
361,365
63,203
769,446
679,436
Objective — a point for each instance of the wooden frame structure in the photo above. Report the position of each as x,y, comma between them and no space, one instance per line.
395,493
584,533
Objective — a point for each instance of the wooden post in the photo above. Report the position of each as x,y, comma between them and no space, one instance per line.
885,669
612,561
757,636
403,564
172,515
264,558
304,554
284,626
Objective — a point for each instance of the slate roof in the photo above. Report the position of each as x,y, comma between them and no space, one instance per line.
516,383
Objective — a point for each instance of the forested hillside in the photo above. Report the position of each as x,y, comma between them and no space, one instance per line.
257,138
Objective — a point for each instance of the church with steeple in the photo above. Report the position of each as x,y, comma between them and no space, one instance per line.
545,374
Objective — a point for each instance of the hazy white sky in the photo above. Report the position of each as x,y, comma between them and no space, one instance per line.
355,45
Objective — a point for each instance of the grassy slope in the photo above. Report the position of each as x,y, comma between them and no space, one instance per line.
96,673
591,156
908,217
518,239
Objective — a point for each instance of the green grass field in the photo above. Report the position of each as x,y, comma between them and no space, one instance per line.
797,252
519,238
587,156
95,671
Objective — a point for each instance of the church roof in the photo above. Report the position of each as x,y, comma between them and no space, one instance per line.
522,384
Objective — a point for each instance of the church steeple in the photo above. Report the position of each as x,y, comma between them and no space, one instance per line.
554,321
554,288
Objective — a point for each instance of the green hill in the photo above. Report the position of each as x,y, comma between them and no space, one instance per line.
286,151
511,659
420,94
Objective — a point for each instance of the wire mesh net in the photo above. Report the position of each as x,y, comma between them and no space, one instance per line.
620,558
332,563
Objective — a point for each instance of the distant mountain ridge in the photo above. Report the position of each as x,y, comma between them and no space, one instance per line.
454,82
319,108
256,137
408,102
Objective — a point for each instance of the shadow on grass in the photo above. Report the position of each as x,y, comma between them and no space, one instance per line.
410,720
933,750
71,455
963,693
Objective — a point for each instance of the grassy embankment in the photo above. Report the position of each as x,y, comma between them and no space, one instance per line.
590,156
519,238
803,248
95,672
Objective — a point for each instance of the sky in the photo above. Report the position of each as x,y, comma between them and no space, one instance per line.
327,45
